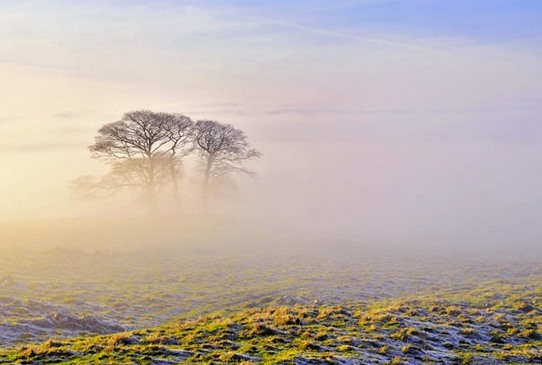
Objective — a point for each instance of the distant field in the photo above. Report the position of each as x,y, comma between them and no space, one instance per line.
87,290
492,323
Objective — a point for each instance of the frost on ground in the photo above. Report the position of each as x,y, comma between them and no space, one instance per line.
493,323
64,293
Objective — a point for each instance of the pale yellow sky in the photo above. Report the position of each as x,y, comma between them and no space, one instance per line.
385,118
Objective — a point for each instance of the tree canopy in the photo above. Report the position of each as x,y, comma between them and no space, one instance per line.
145,150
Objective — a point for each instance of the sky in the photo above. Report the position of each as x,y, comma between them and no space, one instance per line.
395,120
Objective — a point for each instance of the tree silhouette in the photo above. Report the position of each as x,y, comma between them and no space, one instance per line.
143,149
223,150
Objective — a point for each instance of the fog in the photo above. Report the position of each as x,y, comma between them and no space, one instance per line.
370,135
475,194
422,186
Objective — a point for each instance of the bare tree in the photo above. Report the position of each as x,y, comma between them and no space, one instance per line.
223,150
144,149
178,130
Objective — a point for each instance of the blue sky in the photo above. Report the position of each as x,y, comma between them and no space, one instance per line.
482,20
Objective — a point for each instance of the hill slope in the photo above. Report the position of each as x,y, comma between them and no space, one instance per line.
64,293
493,323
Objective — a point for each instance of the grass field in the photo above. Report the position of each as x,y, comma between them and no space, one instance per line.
286,302
492,323
235,297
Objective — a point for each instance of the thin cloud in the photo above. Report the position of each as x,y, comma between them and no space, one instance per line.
354,37
315,111
35,147
218,112
67,115
8,120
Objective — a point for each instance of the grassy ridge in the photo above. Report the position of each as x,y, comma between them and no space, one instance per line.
492,323
97,291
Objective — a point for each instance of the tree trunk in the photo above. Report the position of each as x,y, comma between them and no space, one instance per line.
206,189
151,187
175,185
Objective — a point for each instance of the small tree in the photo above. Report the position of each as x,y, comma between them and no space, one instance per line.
144,149
223,150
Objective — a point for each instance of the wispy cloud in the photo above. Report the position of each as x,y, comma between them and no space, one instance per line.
34,147
67,115
353,37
